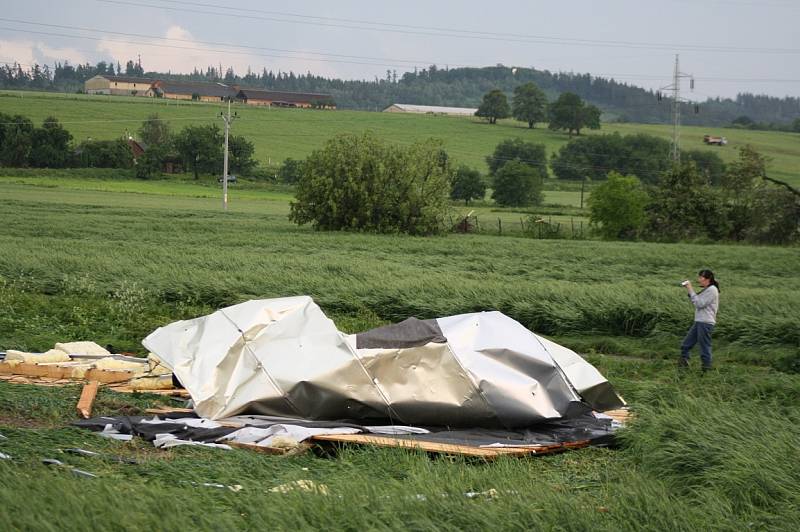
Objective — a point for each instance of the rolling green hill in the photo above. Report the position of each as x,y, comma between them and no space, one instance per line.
282,133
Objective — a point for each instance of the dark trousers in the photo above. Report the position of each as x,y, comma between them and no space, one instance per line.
700,333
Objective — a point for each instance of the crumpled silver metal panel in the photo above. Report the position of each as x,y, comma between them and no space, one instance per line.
284,357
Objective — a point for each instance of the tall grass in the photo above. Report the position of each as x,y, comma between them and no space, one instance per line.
115,265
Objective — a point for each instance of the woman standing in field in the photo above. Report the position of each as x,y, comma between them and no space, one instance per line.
705,304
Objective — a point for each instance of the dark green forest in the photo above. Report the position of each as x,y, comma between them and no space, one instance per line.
458,87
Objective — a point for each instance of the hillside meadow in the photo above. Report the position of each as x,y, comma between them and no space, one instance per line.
111,260
281,133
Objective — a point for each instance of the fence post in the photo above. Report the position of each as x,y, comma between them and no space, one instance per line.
499,227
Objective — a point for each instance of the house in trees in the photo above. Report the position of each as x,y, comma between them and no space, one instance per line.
286,99
118,85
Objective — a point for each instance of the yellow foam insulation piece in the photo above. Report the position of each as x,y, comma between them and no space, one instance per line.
120,365
82,348
157,367
284,442
163,382
79,372
301,485
53,355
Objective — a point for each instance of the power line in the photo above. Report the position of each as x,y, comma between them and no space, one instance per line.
453,33
633,77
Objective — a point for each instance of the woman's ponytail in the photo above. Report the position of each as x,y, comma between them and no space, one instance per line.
708,274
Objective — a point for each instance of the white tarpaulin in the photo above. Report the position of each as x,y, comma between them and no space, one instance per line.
284,357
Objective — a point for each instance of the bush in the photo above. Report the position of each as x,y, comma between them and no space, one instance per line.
361,183
709,163
105,154
617,207
290,171
517,184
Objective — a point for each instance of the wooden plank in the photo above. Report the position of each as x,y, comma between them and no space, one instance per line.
86,401
59,371
169,410
109,376
428,446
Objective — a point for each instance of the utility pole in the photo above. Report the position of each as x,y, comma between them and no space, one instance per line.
675,87
227,118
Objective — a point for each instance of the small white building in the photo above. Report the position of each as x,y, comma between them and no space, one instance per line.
429,109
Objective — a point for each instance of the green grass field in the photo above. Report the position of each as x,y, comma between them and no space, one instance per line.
281,133
111,260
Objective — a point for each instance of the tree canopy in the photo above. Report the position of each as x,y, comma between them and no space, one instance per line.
571,113
517,149
529,104
359,182
617,207
517,184
200,147
467,185
494,106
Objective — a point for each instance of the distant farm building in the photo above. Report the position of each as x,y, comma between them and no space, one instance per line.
193,90
286,99
205,92
118,85
429,109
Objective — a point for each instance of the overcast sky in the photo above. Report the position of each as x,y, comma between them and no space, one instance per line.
730,46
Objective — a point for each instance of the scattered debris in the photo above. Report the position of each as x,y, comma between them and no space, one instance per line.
491,493
301,485
84,474
75,471
87,361
4,456
86,400
236,488
92,454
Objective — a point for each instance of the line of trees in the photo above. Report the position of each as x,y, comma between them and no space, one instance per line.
459,87
197,148
50,146
568,112
683,204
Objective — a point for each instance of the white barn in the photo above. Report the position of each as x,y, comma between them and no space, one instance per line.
429,109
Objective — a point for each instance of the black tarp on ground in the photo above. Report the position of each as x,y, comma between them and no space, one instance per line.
599,432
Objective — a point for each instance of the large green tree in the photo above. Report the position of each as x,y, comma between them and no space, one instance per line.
362,183
516,149
50,145
468,184
155,131
517,184
200,147
571,113
617,207
494,106
684,205
529,104
16,134
240,154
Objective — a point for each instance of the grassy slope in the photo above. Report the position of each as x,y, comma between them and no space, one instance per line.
112,264
281,133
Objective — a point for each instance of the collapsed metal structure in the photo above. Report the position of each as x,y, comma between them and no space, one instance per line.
284,357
